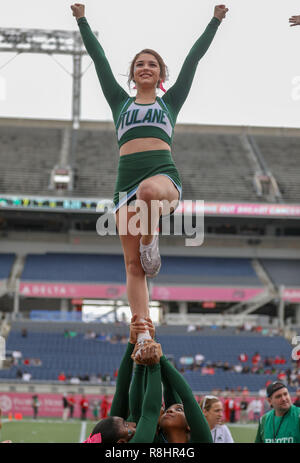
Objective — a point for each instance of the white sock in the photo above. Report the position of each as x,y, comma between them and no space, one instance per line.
147,246
143,336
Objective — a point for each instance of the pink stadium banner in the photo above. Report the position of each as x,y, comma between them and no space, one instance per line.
51,405
71,290
198,293
238,209
291,294
158,293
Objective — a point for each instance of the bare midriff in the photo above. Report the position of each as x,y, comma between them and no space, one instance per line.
143,144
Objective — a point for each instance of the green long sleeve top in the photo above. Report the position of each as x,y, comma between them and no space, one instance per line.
120,403
147,424
154,120
200,432
137,392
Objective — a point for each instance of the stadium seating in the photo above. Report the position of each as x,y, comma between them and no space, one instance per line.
110,268
283,271
27,157
218,167
282,156
6,262
80,356
74,267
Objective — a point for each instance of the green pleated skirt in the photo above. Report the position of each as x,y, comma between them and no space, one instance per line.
136,167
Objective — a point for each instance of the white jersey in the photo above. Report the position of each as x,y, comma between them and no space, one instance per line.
221,435
144,115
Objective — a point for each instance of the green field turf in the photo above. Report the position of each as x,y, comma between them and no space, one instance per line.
45,431
57,431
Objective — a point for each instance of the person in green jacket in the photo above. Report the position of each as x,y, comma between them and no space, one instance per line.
282,423
144,126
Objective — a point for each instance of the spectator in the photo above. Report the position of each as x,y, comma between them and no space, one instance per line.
26,376
281,424
71,402
243,410
255,406
245,392
256,359
74,380
297,400
243,357
282,376
61,377
104,407
24,333
95,409
238,368
212,408
199,359
16,355
65,407
35,406
232,406
84,405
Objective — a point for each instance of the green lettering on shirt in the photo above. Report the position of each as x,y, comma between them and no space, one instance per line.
148,116
135,121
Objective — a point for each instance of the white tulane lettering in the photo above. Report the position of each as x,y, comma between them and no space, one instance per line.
144,116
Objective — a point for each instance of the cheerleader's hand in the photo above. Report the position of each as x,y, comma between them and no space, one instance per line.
294,20
220,12
78,10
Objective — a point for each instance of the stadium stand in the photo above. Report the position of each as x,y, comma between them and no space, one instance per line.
282,155
283,271
27,158
77,355
96,163
202,176
6,262
74,267
28,155
110,268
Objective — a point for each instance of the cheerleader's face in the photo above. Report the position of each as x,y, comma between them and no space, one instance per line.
174,417
146,71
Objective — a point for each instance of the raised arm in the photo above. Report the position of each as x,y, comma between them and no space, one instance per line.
136,393
294,20
200,431
178,93
120,403
147,424
112,91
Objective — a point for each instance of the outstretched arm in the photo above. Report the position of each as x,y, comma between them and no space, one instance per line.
200,431
120,403
147,424
294,20
178,93
113,92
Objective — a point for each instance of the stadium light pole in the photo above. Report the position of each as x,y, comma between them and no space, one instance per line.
51,42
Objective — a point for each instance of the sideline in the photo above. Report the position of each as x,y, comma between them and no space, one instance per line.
82,432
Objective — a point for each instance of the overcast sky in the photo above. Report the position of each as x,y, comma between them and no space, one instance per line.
249,76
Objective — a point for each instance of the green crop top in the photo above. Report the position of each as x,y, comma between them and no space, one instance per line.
156,120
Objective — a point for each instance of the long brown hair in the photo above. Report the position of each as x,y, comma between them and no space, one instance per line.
163,68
